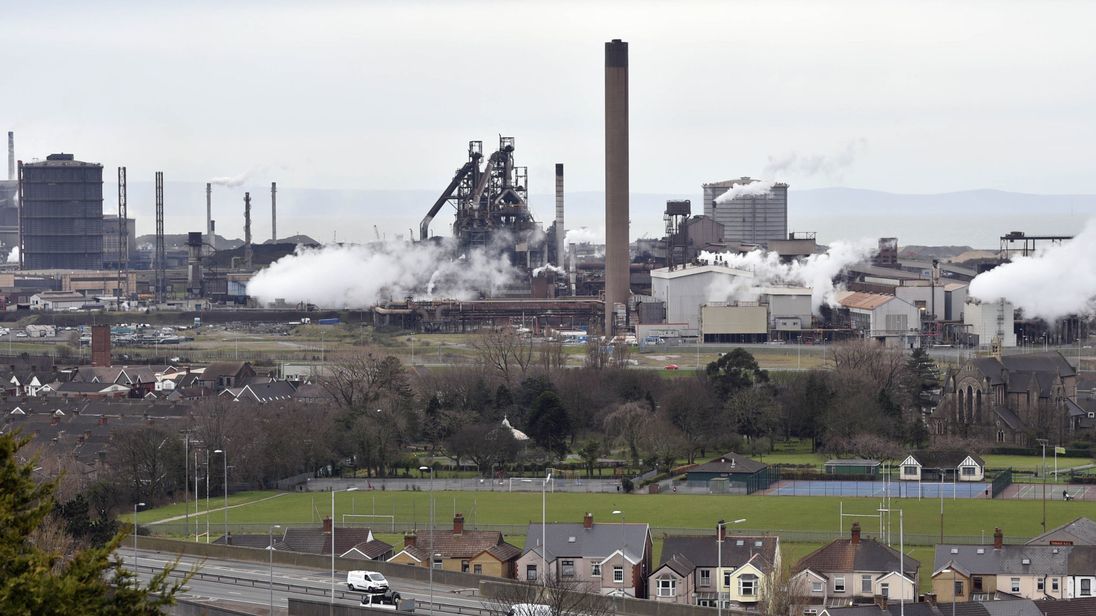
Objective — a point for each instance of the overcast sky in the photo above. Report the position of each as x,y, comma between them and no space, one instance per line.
900,96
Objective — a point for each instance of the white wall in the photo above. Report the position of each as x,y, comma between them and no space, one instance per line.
685,290
981,318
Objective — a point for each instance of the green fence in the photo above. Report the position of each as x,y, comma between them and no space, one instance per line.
1001,481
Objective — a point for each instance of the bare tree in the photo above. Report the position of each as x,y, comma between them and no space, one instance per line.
619,354
358,381
630,423
550,356
561,597
505,352
783,594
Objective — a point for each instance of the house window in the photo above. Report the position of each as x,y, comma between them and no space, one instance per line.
667,588
705,577
567,570
1086,587
705,602
839,584
816,586
618,575
595,569
809,611
976,583
464,566
910,470
865,584
437,563
1054,584
1039,584
531,573
1015,584
958,590
1000,436
477,569
968,471
747,585
884,589
727,578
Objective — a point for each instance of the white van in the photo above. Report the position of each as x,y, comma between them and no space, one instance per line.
368,581
529,609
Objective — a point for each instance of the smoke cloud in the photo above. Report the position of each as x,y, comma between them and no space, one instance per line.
815,272
13,256
831,166
1057,281
549,268
354,276
745,189
233,180
585,235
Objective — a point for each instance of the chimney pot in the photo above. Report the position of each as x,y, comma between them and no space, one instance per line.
998,539
327,525
721,530
409,539
588,520
458,524
855,535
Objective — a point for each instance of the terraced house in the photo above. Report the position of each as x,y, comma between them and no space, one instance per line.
705,569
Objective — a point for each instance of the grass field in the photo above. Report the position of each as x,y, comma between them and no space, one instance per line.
770,514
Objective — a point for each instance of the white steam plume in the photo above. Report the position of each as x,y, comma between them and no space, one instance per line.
13,256
805,165
233,180
360,276
1057,281
548,268
745,189
815,272
585,235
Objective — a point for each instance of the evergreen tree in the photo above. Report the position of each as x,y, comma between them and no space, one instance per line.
734,372
36,582
549,424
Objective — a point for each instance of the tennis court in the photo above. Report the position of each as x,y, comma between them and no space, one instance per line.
897,489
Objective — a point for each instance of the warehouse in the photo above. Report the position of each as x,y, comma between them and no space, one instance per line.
685,289
741,322
884,318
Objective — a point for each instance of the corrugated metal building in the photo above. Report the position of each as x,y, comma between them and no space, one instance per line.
62,213
749,219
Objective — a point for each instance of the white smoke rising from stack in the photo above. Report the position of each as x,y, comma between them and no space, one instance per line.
360,276
13,256
232,180
1057,281
815,272
549,268
745,189
585,235
831,166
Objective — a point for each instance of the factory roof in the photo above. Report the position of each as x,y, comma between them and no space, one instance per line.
955,286
863,301
693,270
739,181
785,290
60,160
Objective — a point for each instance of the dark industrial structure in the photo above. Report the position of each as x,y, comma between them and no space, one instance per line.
61,214
160,260
616,183
492,212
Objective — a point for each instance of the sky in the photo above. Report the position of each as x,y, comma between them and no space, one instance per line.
906,97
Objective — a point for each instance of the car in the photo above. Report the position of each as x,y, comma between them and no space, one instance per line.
21,335
388,600
672,366
369,581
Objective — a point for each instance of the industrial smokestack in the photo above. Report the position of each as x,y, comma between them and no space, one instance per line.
561,247
274,211
11,155
247,230
209,214
616,180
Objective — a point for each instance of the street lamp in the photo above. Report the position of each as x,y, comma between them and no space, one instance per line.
135,506
332,602
952,571
430,573
270,548
720,528
623,551
225,456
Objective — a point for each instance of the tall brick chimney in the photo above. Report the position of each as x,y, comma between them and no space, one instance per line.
458,524
721,530
588,520
998,539
409,539
855,532
327,526
100,345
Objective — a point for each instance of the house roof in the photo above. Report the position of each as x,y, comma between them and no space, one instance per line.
220,369
703,550
731,463
268,392
598,541
504,552
370,549
864,555
315,541
1085,606
465,545
678,564
852,462
945,459
1010,418
248,541
1081,531
1009,559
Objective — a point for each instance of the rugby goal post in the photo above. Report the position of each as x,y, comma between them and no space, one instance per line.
391,518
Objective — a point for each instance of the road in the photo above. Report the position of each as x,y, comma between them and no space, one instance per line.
249,582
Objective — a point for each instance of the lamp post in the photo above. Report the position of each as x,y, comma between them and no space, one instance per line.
720,529
270,548
331,604
544,528
623,548
430,573
1043,443
135,506
952,570
207,494
224,455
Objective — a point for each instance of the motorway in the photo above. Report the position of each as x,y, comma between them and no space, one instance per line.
249,582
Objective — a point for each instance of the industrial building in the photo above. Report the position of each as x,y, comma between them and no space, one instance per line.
884,318
61,220
684,290
751,219
116,253
990,321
